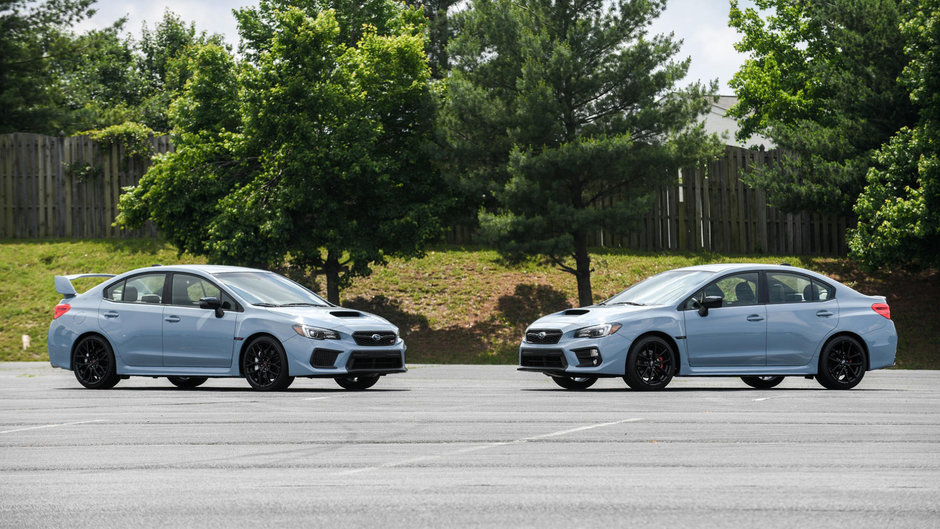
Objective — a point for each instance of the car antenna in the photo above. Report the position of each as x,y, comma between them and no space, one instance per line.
785,264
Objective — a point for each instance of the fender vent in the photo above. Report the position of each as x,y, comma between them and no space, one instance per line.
575,312
346,314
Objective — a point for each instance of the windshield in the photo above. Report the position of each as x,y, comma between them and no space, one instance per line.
660,289
268,289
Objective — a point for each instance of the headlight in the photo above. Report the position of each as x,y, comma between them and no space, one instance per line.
316,333
597,331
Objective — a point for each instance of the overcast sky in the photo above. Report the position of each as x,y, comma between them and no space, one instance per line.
702,24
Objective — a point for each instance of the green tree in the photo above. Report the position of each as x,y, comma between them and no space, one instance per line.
327,168
899,210
821,82
35,43
161,60
556,106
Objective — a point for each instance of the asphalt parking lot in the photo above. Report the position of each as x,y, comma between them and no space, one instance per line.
468,446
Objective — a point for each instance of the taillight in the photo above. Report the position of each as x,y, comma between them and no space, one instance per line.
61,309
883,309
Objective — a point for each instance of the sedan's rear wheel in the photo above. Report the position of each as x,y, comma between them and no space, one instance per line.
841,363
264,365
574,383
650,364
763,382
93,363
357,383
187,382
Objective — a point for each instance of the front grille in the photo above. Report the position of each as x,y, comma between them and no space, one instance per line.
375,338
323,357
543,336
551,358
374,361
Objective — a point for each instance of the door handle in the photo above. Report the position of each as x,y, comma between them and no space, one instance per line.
755,317
824,314
172,319
111,314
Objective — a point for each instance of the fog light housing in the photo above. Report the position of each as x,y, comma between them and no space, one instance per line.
589,357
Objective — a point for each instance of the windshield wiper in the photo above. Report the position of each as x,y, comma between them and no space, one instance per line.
635,304
265,305
300,305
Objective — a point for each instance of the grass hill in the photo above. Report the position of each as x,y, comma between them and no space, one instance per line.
455,305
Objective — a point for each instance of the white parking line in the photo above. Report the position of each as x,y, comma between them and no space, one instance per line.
321,398
762,399
413,460
52,426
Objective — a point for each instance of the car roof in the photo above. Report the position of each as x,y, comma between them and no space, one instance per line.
204,268
734,267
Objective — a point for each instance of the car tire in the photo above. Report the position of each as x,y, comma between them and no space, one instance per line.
841,363
650,364
264,365
574,383
93,363
357,383
763,381
187,382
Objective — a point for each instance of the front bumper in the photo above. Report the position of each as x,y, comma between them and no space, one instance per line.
333,358
605,356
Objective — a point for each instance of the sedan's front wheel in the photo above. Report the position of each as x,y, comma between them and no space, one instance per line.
763,382
264,365
841,363
650,364
357,383
575,383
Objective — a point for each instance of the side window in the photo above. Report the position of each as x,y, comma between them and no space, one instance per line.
189,289
143,288
823,291
114,292
736,291
791,288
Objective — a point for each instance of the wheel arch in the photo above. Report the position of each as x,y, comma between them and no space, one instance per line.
81,337
850,334
247,341
668,339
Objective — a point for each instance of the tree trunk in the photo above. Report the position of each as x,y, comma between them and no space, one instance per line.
583,269
332,268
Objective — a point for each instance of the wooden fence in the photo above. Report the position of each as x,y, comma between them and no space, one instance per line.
710,209
69,187
66,186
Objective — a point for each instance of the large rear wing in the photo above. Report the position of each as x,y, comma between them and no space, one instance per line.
63,284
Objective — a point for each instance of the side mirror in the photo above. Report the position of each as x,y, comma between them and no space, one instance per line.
212,303
710,302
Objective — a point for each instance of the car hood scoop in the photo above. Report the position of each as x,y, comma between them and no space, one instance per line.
346,314
575,312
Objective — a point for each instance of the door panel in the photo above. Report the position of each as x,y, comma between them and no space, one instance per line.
193,336
727,336
800,315
131,317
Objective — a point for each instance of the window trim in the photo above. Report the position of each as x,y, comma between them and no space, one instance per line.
809,278
238,306
125,279
761,290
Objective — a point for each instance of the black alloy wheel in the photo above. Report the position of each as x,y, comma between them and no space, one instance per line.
763,381
357,383
93,363
650,364
841,363
574,383
264,365
187,382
